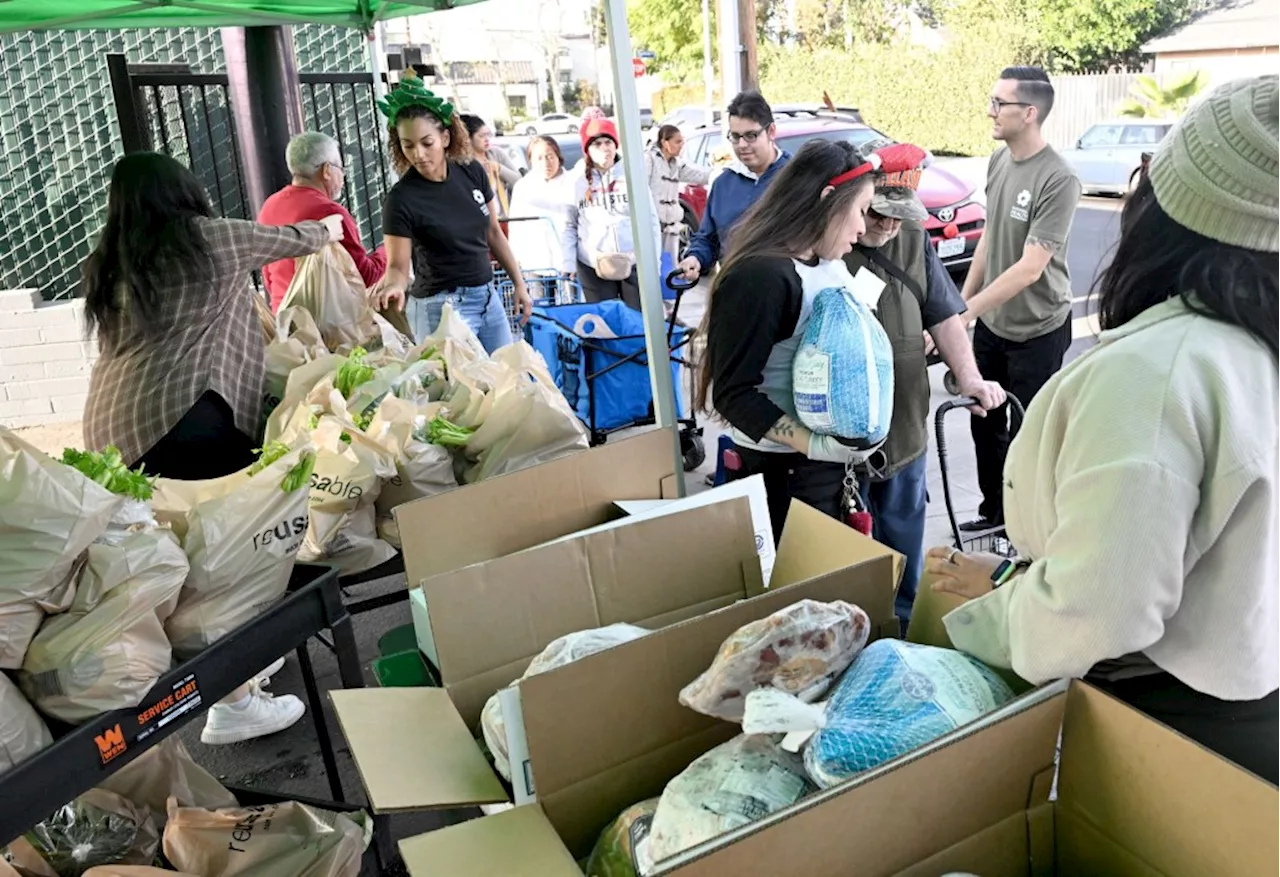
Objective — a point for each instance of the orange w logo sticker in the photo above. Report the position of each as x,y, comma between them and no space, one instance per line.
110,743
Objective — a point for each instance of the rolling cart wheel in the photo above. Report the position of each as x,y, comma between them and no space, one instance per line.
950,384
695,451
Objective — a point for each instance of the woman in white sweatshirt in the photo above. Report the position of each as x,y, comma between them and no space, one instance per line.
1142,487
599,246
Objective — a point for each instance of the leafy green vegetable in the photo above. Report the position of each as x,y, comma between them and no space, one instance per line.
314,421
268,455
300,475
108,469
352,373
363,419
441,431
429,353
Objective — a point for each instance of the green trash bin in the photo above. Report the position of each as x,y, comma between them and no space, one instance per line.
398,639
404,670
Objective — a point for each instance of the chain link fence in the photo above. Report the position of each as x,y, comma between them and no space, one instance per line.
59,136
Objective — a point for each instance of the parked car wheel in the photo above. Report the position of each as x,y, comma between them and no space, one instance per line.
573,129
690,223
531,130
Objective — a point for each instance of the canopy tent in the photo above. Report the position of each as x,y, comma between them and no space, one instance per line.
28,15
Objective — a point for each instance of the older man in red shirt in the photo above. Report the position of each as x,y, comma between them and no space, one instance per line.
316,164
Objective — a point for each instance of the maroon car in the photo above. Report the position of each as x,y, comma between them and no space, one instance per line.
957,214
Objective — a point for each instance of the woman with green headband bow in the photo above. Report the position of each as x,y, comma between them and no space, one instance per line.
445,205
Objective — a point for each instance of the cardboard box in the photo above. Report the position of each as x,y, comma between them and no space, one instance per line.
511,513
608,730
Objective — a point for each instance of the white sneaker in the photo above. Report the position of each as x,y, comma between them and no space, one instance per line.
260,715
272,669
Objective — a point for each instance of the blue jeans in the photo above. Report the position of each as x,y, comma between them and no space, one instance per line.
898,511
480,306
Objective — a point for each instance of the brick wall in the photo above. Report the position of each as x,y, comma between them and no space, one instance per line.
44,360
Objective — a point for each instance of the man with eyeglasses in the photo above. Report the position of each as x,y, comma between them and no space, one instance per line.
738,186
1019,289
315,161
919,295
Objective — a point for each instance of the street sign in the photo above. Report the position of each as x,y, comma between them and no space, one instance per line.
638,67
646,55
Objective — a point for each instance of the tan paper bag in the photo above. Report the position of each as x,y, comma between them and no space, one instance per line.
344,489
109,649
275,840
168,771
22,732
49,513
241,534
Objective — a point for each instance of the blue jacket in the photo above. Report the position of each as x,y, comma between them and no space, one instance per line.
732,192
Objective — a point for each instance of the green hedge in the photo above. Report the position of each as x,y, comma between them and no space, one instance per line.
935,99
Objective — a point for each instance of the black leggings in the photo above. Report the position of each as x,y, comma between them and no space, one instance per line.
596,289
204,444
1243,731
790,476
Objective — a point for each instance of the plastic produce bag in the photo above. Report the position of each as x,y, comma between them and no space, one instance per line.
529,422
166,771
241,534
842,376
565,650
733,785
330,287
49,513
799,650
97,828
275,839
22,732
350,468
897,697
623,847
109,648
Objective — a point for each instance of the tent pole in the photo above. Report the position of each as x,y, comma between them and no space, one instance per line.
643,218
266,102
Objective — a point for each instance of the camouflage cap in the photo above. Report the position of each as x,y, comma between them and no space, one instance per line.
898,202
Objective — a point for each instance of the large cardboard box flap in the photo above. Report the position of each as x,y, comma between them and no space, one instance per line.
489,620
510,513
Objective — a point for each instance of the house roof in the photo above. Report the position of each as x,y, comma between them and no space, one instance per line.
1234,24
487,72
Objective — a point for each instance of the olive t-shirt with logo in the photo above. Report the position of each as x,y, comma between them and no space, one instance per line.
448,221
1032,199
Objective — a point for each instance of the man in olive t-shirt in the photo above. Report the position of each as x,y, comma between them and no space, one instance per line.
1018,289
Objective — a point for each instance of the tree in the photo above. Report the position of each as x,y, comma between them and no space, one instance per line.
672,30
1150,101
1086,36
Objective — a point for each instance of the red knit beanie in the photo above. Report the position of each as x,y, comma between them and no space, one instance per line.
599,128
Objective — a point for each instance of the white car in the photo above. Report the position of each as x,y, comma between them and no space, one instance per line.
1108,156
552,123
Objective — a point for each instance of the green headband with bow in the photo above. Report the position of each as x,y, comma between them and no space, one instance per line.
412,93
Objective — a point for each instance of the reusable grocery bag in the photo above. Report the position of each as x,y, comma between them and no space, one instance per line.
350,468
297,341
842,375
528,423
897,697
565,650
22,732
799,650
97,828
109,649
330,287
422,469
49,513
132,871
733,785
167,771
282,425
274,840
241,534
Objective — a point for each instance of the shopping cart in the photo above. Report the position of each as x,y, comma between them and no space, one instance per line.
994,540
596,354
536,245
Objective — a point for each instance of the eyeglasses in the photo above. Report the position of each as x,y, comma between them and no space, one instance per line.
997,104
748,136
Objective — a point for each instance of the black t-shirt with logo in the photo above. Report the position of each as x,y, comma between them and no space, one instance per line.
448,221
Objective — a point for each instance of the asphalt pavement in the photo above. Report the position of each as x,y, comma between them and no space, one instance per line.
289,762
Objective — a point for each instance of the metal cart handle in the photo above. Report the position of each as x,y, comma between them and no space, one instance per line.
940,434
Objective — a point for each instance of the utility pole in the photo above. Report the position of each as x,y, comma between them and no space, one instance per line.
708,67
739,66
748,40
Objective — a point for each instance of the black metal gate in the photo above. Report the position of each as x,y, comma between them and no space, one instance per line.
188,116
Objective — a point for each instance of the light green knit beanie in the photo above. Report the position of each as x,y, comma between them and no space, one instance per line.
1217,173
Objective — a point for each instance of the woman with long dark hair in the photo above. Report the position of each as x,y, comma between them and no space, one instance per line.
445,205
1142,487
668,171
502,175
179,382
787,249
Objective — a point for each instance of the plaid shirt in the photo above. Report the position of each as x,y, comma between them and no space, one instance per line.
208,338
